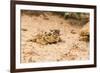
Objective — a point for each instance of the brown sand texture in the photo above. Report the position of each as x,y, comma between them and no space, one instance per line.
70,48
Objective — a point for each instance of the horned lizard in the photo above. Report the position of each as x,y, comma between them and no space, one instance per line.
51,37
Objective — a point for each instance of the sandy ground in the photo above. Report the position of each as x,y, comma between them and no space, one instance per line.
70,49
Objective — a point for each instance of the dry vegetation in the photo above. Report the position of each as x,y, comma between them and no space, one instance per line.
54,36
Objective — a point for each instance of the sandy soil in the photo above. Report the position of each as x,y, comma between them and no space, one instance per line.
71,48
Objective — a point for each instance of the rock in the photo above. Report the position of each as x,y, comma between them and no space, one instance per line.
23,29
85,33
73,31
